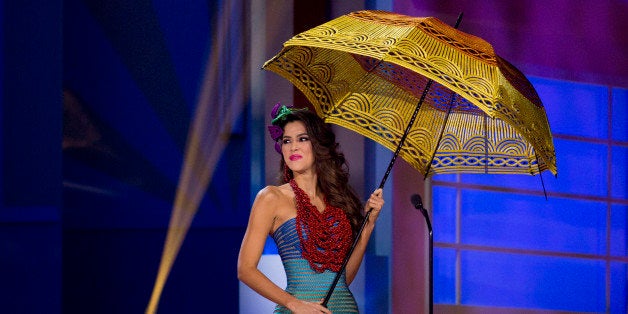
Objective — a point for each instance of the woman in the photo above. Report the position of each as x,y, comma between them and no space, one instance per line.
313,218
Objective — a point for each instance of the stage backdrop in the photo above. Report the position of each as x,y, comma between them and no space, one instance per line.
499,242
98,98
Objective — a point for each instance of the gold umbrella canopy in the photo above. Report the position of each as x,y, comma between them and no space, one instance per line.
367,70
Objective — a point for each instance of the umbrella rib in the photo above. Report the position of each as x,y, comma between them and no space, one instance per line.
405,133
538,165
440,137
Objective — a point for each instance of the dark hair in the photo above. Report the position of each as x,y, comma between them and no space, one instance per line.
330,164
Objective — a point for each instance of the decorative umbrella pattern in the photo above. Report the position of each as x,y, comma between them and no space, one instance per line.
368,70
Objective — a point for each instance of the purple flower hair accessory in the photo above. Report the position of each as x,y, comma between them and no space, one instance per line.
275,133
278,113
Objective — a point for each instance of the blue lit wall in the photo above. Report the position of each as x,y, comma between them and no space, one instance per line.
500,243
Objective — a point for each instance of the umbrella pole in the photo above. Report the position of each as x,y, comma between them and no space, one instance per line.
381,184
410,124
405,134
346,260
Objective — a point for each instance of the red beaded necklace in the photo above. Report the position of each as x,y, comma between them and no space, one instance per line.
325,237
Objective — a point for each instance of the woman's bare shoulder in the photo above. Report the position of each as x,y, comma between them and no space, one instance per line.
274,194
278,200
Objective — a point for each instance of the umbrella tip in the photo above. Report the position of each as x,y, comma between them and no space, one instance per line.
459,20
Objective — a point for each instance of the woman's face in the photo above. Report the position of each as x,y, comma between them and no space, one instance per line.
296,147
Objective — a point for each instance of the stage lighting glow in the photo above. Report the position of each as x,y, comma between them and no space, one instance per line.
221,101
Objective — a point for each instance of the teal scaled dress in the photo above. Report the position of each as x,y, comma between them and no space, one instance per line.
303,282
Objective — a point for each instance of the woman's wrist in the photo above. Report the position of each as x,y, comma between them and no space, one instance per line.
291,304
369,226
372,219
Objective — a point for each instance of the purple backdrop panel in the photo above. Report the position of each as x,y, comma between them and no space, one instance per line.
572,40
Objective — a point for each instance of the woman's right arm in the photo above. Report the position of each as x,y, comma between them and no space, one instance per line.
259,226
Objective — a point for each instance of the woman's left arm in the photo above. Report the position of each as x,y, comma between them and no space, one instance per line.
375,202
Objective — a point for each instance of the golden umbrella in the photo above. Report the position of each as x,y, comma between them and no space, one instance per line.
367,71
440,98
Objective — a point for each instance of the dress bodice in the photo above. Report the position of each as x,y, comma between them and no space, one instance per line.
303,282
